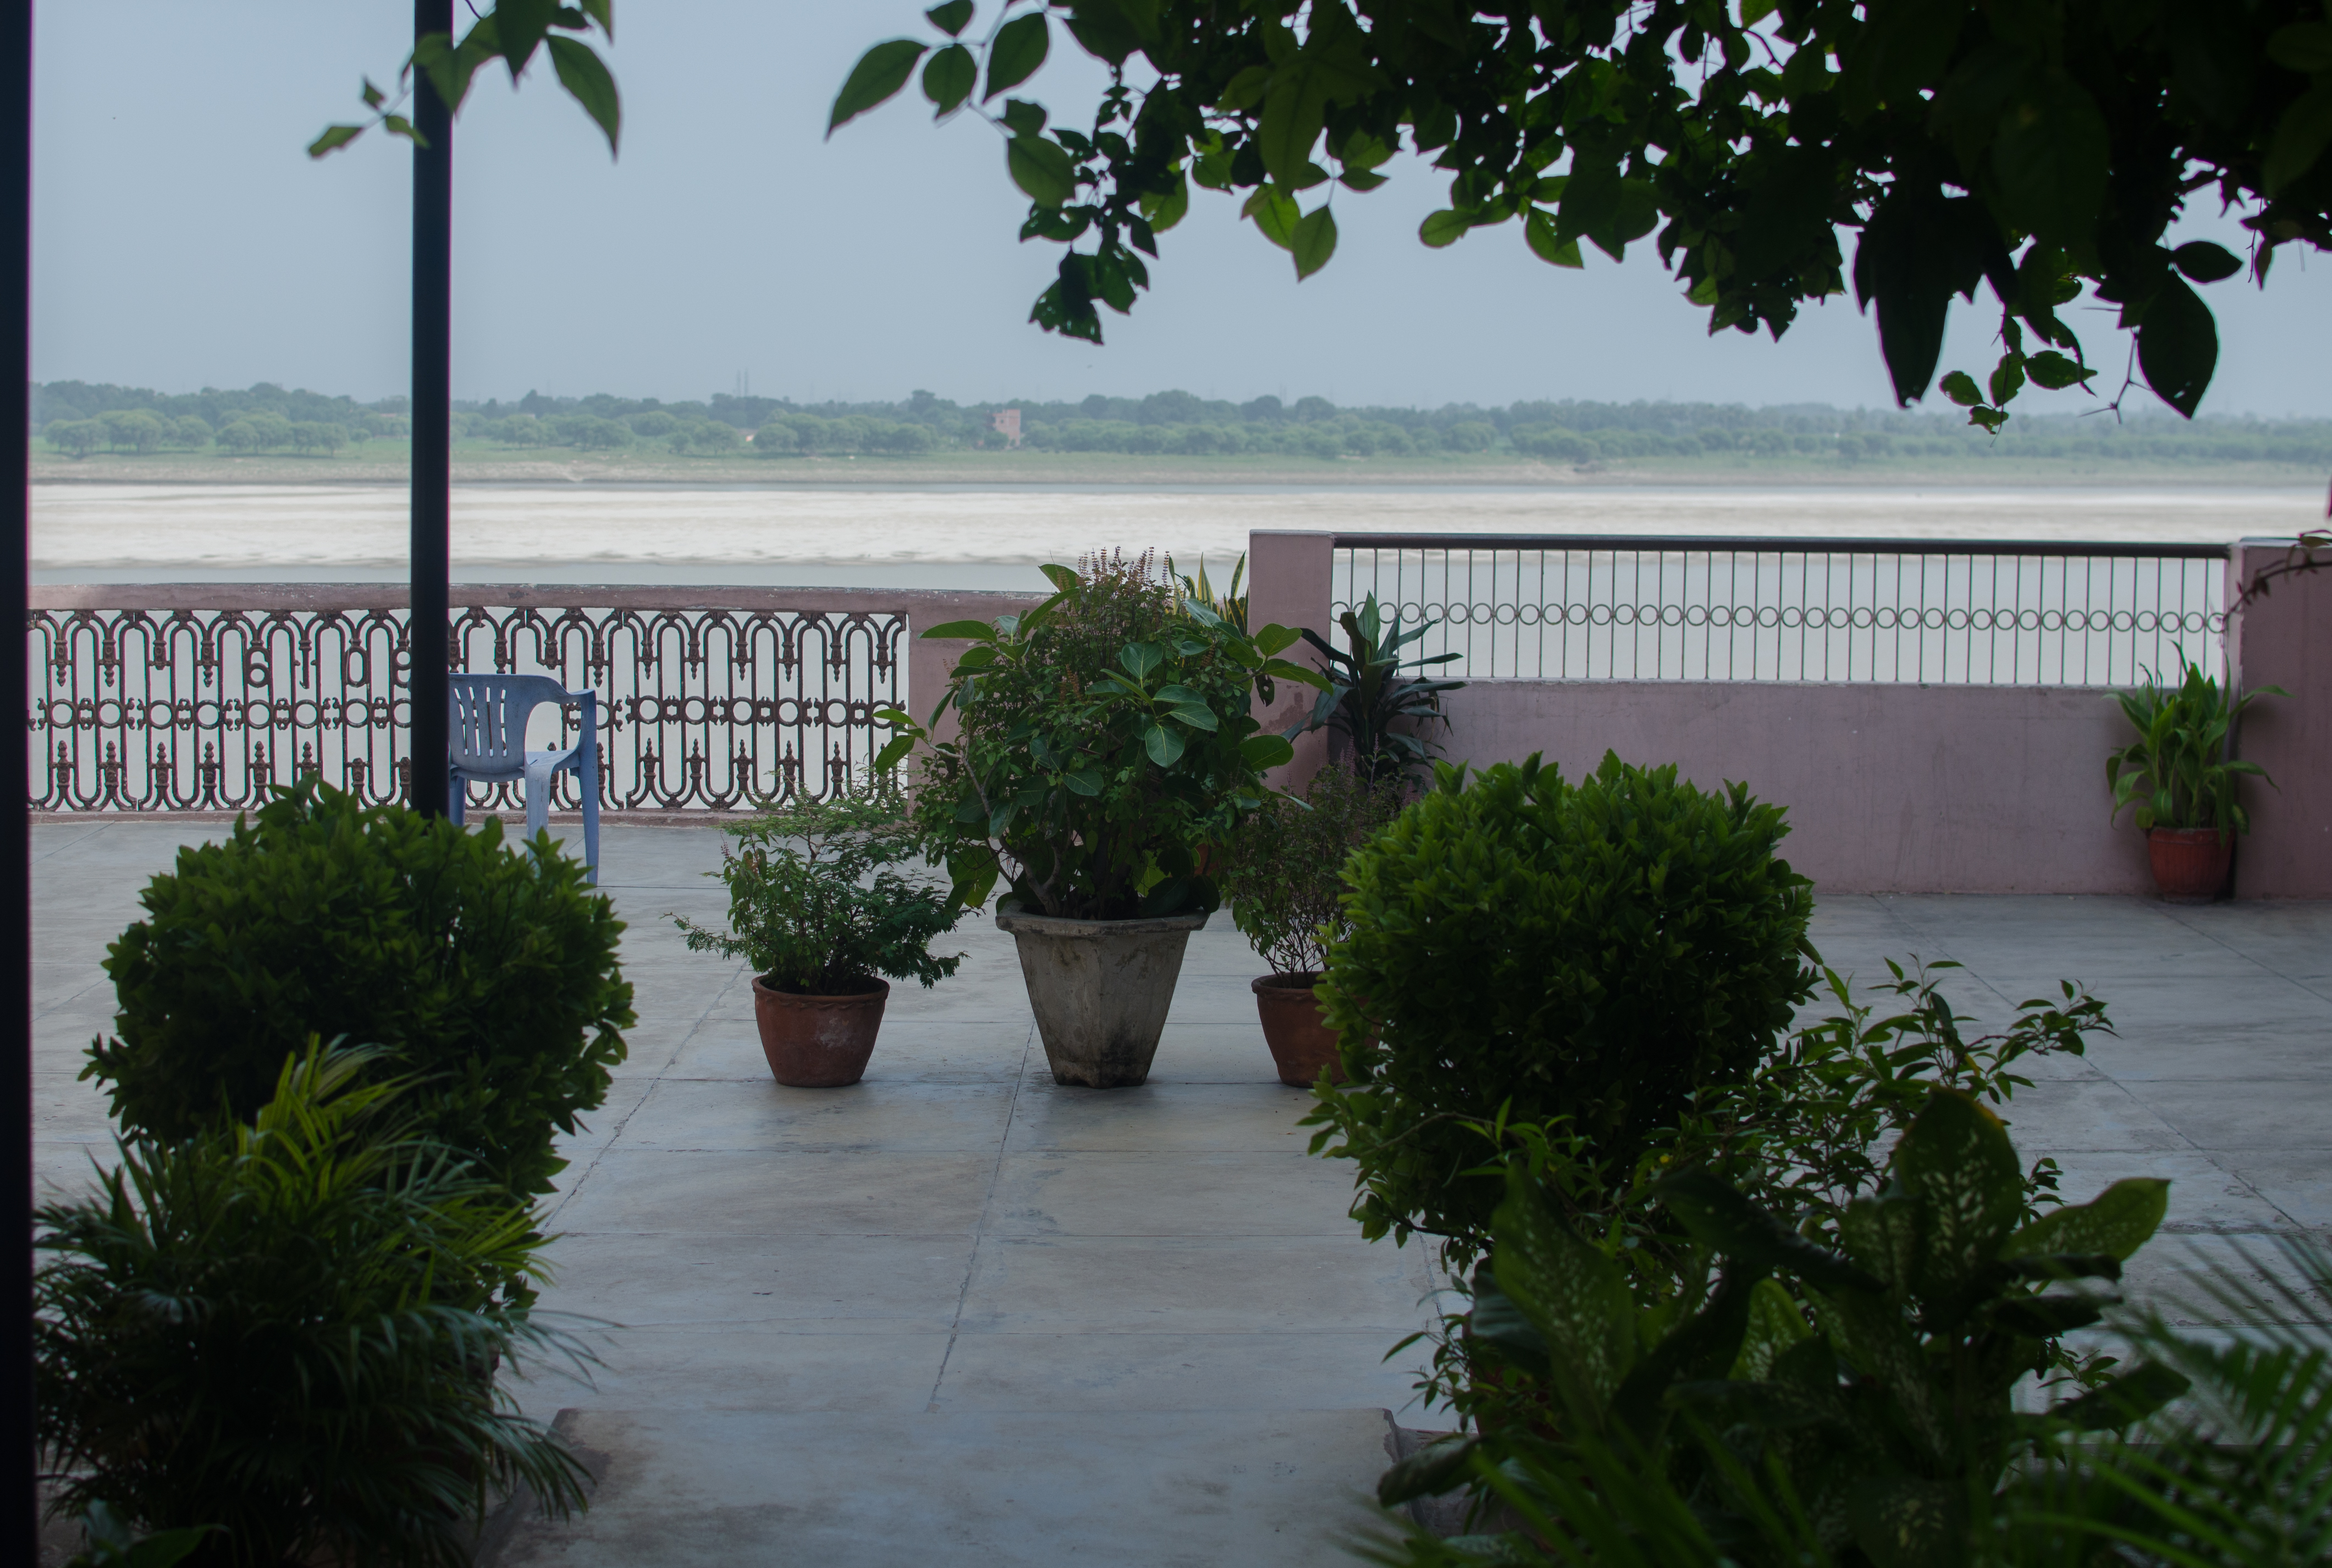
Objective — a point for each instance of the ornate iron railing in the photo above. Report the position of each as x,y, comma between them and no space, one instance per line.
1571,607
200,699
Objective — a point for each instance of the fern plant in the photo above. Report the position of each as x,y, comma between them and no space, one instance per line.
286,1328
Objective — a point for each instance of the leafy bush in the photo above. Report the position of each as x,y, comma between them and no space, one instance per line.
816,906
1285,876
2177,772
1105,741
1883,1432
491,972
282,1328
1523,949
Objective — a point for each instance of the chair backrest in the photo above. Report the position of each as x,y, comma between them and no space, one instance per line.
489,720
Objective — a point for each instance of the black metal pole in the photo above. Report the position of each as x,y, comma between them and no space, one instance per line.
433,434
20,1521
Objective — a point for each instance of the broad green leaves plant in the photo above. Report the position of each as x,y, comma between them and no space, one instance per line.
1104,750
283,1325
1384,713
817,903
1883,1431
2040,147
2177,772
512,32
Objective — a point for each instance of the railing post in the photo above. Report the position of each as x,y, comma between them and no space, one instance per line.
2283,637
20,1514
433,434
1291,580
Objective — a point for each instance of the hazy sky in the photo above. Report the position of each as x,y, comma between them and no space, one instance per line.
183,238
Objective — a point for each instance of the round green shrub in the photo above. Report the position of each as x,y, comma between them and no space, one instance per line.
489,972
1525,947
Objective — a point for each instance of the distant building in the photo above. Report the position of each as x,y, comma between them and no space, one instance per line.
1006,422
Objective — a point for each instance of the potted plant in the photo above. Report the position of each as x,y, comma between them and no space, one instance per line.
2179,776
1369,706
817,906
1285,886
1104,750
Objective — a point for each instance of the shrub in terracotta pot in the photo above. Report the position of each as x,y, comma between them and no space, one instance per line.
1104,747
820,906
2181,778
1285,886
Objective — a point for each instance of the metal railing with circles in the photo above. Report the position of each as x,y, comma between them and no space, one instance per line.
1604,607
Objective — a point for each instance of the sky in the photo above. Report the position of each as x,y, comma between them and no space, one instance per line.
183,238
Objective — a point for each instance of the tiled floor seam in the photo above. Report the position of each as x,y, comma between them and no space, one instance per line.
2289,979
980,1229
616,1135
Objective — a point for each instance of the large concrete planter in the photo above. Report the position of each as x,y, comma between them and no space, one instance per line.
1099,990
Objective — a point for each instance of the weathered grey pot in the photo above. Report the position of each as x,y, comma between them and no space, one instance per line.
1100,989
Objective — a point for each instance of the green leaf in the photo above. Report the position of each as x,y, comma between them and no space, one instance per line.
1020,47
1021,118
1446,227
1141,658
398,125
518,27
1197,718
2053,370
1063,577
1438,1467
1539,233
1181,696
2178,346
2052,158
1083,781
890,756
2303,46
1776,1325
1274,639
952,630
603,12
373,96
2300,136
877,77
1275,216
2116,1222
1313,241
950,17
2204,261
588,82
1961,388
949,77
1262,752
1901,1521
1574,1295
2007,378
1041,167
2132,1397
335,138
1956,1164
1167,208
1165,746
1717,1214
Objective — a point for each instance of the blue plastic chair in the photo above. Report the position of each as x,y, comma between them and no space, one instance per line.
488,735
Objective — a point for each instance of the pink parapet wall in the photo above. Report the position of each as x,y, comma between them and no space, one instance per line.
2283,637
1290,583
1889,789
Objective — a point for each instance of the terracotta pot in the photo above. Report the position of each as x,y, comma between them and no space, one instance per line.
1099,990
818,1042
1300,1039
2190,863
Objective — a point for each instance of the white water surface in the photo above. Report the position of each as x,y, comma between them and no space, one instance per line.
993,536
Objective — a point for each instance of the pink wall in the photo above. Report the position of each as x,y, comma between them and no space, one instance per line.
2285,639
1893,789
1289,585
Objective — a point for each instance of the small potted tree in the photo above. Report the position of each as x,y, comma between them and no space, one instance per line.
818,906
2179,776
1104,754
1285,886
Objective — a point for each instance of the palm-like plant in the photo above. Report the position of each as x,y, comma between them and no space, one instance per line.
2177,772
1372,700
286,1329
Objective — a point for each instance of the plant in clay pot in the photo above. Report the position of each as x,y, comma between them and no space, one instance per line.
1285,886
819,905
1104,750
2180,780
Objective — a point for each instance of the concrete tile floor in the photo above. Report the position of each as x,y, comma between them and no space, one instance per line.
960,1314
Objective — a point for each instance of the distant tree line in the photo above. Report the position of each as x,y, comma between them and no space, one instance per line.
80,419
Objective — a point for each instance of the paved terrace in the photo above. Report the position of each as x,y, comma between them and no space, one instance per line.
958,1315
